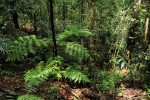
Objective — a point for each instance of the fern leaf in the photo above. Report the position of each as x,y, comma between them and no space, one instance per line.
70,35
30,46
33,37
29,97
84,33
76,76
36,42
42,71
26,38
24,50
21,39
22,46
76,50
4,44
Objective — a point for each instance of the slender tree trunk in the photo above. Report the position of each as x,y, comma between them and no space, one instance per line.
64,10
51,19
132,32
64,13
35,24
81,11
86,10
146,30
91,28
14,14
92,20
15,19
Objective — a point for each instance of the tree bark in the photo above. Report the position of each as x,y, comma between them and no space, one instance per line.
14,14
92,22
64,10
51,19
35,25
15,19
132,32
64,13
81,11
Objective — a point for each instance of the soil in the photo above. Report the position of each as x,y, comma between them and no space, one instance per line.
15,84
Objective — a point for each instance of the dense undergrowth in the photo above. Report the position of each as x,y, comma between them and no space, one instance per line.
104,47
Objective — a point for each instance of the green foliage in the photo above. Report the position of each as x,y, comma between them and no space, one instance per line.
5,72
147,56
53,88
4,45
76,75
77,50
147,88
121,62
22,46
73,34
135,74
42,71
51,91
52,67
67,39
148,91
108,80
29,97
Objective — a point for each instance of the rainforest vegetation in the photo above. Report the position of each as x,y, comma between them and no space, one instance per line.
74,49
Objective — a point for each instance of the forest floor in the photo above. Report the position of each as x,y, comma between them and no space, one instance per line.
16,84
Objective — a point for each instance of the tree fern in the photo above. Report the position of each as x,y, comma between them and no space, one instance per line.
77,50
76,75
29,97
22,46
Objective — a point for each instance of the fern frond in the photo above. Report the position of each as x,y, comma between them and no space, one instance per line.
42,71
84,33
76,76
22,46
27,37
29,97
77,50
4,44
36,42
20,39
30,46
72,34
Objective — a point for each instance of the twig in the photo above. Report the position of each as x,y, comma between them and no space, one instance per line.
70,92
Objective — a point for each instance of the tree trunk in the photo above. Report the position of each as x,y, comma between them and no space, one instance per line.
132,32
81,11
64,13
91,18
91,45
14,14
51,19
35,25
15,19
